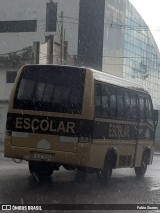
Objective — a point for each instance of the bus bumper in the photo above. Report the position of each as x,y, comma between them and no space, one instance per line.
77,158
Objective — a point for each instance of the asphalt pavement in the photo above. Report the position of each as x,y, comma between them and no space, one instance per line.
18,186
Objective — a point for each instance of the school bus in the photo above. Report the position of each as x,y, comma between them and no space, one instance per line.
81,119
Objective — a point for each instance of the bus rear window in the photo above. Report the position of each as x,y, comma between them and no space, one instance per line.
51,88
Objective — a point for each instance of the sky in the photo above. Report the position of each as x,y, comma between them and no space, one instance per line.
150,12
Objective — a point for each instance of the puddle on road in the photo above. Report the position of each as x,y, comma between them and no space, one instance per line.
154,188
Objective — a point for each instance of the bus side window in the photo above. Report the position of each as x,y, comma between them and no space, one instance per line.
120,103
127,105
149,109
142,112
40,89
112,102
133,109
26,89
98,100
48,93
105,101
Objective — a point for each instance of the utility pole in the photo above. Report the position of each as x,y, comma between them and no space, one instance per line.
36,48
62,38
50,49
65,47
51,24
65,51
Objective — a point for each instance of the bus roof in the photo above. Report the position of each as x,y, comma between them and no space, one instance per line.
117,81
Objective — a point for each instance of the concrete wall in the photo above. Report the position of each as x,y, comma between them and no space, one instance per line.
5,88
36,10
113,43
22,10
3,113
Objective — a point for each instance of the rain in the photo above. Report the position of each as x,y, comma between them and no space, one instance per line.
79,107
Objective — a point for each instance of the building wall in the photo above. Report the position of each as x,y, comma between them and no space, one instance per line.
36,10
9,65
5,89
129,49
3,113
22,10
113,42
91,33
141,54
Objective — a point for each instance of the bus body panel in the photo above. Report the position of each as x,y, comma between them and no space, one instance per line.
125,158
51,132
80,158
71,136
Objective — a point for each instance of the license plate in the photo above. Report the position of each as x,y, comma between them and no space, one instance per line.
42,156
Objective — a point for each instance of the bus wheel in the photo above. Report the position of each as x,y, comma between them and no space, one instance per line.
105,174
140,171
40,170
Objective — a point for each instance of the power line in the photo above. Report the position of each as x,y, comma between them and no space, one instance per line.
104,56
16,51
121,57
68,17
111,24
131,57
70,22
129,27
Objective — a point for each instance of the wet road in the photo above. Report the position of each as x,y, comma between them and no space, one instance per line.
18,186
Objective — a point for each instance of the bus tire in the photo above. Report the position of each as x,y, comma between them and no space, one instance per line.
140,171
40,170
105,174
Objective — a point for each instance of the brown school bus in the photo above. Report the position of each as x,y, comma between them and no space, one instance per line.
81,119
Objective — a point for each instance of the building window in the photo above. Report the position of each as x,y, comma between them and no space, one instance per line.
10,76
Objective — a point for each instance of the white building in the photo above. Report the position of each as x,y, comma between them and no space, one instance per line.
15,42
